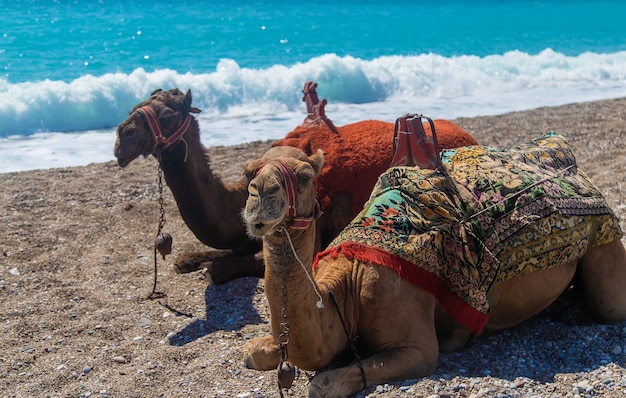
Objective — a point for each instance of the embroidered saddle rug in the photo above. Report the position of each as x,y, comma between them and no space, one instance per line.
490,216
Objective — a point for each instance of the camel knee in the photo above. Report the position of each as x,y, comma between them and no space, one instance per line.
261,353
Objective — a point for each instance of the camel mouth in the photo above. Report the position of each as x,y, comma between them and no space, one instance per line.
123,162
258,229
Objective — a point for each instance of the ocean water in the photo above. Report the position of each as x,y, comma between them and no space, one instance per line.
71,70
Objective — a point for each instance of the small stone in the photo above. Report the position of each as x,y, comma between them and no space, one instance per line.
582,387
119,359
87,369
14,271
617,350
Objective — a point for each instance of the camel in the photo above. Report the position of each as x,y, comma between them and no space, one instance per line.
362,315
163,126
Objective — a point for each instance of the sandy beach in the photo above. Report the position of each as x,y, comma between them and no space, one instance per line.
76,267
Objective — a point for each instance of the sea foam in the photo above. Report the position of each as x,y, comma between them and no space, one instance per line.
242,104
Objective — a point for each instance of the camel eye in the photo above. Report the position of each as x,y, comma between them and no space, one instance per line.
305,177
272,190
128,133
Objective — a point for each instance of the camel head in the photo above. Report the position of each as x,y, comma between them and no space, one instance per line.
153,125
281,192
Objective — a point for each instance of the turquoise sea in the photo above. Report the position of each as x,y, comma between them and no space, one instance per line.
71,70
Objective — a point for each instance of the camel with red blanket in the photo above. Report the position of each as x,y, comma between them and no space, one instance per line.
486,240
163,126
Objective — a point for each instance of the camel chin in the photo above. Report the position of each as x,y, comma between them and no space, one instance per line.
123,162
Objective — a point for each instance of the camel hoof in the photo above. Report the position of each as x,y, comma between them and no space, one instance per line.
187,267
208,277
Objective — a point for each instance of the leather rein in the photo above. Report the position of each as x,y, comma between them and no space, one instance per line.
291,182
162,142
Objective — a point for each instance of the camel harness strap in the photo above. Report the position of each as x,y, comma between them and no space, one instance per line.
162,142
291,182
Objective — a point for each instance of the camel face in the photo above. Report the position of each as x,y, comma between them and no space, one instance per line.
269,201
135,137
132,140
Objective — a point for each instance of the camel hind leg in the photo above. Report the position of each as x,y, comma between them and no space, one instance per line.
602,274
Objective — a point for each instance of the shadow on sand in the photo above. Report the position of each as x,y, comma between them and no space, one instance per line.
561,339
228,307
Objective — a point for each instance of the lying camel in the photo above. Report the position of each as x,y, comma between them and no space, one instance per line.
163,126
434,258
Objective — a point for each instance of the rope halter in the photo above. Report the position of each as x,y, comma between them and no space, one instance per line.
161,142
291,182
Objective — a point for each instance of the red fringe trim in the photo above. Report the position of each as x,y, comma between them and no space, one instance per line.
465,314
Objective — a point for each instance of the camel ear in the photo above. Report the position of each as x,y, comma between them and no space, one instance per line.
158,90
187,102
317,161
187,99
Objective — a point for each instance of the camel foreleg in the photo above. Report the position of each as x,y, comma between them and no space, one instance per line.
221,265
383,367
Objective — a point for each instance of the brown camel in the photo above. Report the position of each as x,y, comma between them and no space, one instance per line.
163,126
397,317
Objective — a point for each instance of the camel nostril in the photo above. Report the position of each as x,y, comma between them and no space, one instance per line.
258,225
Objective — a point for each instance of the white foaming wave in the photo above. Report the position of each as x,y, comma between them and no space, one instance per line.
52,150
242,105
233,92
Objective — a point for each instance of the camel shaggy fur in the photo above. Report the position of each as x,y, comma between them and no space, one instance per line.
397,326
357,154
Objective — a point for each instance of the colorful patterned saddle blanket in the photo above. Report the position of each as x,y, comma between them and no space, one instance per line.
492,215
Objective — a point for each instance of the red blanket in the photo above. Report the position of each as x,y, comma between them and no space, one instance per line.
354,158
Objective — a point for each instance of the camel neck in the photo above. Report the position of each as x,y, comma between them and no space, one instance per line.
294,297
207,205
287,244
180,151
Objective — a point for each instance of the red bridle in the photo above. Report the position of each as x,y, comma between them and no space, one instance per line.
160,140
291,182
